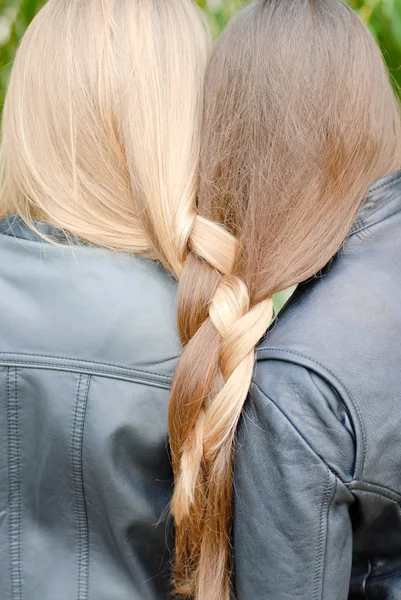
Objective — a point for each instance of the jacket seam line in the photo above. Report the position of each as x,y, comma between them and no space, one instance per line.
370,493
78,487
14,484
300,435
382,491
396,177
320,567
327,527
350,396
367,226
80,368
72,362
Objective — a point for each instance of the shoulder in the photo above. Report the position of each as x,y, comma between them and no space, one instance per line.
292,396
330,363
87,304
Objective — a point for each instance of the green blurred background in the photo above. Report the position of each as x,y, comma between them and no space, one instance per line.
382,16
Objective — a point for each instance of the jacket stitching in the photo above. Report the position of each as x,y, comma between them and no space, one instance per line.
378,495
353,485
383,492
319,576
387,183
327,530
366,226
296,430
358,223
80,368
14,485
354,404
88,362
78,487
363,232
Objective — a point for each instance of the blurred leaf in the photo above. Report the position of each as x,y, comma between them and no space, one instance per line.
282,298
395,18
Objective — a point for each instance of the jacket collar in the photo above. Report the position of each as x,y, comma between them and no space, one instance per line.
383,200
14,226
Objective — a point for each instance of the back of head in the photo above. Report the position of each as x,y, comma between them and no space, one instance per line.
300,119
101,123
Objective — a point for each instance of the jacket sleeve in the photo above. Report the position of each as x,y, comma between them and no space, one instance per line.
292,531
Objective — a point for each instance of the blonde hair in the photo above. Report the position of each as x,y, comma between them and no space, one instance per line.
101,123
299,120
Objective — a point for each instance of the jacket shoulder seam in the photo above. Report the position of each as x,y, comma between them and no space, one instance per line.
300,435
337,384
373,489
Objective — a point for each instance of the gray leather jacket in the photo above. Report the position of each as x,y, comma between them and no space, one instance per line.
88,345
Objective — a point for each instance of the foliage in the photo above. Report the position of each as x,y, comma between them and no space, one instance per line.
382,16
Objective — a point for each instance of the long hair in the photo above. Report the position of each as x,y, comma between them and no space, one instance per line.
101,123
299,120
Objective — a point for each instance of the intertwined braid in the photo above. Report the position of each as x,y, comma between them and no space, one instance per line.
220,329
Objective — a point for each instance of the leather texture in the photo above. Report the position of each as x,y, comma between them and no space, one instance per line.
88,346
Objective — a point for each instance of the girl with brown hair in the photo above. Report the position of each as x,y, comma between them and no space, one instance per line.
300,121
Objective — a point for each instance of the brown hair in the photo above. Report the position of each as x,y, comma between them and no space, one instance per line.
299,120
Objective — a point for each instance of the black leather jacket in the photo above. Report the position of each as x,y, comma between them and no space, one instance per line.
88,345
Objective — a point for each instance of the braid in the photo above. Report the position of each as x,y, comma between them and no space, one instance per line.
220,329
